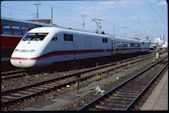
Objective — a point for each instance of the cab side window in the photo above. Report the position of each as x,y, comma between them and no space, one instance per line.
104,40
54,38
68,37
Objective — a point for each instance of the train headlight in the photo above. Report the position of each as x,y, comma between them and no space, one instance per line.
16,50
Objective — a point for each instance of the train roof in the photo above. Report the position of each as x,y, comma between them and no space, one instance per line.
126,39
24,23
51,29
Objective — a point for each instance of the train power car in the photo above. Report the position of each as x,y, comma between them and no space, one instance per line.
46,45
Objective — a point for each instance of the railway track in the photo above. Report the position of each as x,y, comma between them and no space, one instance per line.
16,95
13,74
123,96
23,72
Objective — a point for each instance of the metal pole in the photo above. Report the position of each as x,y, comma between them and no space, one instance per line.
37,12
78,80
51,15
83,21
113,30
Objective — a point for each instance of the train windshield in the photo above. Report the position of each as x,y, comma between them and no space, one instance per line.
34,36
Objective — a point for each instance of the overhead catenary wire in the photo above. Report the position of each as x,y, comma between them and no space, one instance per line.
115,12
156,12
66,10
141,25
19,10
88,18
30,13
44,15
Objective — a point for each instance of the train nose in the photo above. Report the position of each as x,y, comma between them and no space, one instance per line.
22,63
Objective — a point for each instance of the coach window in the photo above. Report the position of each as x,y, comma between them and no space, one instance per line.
25,30
121,44
6,29
16,30
134,45
104,40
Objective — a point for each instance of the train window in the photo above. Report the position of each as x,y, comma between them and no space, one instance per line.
68,37
25,30
134,44
16,30
6,29
104,40
71,37
34,36
121,44
55,38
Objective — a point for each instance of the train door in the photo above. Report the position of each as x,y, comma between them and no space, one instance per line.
75,45
68,46
112,46
139,47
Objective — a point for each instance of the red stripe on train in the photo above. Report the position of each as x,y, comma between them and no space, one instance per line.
74,52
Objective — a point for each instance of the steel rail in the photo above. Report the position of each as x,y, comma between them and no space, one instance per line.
146,88
98,99
6,77
45,82
71,75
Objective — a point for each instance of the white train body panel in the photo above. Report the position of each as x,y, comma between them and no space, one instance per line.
46,45
79,48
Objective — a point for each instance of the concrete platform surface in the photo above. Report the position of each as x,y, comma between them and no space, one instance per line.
158,99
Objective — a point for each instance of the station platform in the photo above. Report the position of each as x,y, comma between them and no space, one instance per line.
158,99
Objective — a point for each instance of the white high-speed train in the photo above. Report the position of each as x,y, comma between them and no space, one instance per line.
46,45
